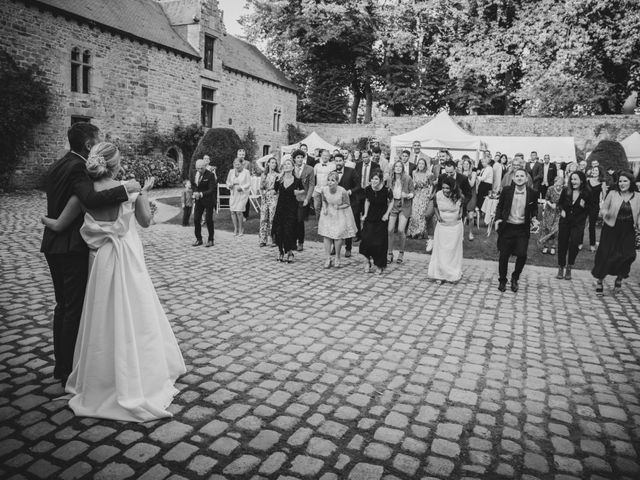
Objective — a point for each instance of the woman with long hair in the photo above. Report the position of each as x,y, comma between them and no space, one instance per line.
239,184
268,200
621,216
573,206
485,180
401,186
422,191
550,217
285,219
471,172
598,189
446,259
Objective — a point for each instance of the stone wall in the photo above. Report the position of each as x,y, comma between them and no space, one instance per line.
249,103
131,83
587,131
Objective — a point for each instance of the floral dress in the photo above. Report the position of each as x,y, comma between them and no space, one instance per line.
421,193
269,200
550,217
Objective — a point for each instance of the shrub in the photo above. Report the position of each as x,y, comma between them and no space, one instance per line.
250,144
610,155
23,105
221,144
140,167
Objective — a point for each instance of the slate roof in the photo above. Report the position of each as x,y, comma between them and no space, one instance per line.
245,58
141,19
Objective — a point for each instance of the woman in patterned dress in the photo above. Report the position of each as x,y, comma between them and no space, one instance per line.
422,185
550,217
269,200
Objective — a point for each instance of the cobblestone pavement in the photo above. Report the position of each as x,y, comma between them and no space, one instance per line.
299,372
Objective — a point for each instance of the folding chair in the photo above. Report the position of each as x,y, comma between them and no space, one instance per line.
224,197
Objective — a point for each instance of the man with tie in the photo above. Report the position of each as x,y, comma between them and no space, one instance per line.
365,169
308,159
518,204
416,153
549,174
534,169
349,180
305,173
205,193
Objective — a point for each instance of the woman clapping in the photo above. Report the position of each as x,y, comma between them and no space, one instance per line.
285,219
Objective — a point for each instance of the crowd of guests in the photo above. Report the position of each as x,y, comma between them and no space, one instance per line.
361,196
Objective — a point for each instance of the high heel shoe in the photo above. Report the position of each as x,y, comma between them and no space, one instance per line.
290,257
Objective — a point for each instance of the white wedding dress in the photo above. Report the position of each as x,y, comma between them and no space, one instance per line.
126,358
446,257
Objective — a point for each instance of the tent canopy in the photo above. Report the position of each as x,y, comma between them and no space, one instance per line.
560,149
313,141
441,132
631,146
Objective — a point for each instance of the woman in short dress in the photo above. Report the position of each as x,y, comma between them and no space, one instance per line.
239,185
422,185
285,219
336,222
269,200
377,207
621,216
446,259
401,186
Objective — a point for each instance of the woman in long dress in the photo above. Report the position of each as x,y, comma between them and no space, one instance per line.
239,185
268,201
285,219
467,168
550,217
336,222
446,259
598,190
126,358
377,207
621,216
422,186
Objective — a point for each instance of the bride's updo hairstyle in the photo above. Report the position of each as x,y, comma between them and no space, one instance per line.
103,161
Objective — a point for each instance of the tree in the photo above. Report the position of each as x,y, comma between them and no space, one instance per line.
221,144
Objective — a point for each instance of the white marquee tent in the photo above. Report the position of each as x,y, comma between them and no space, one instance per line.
441,132
313,141
631,146
560,149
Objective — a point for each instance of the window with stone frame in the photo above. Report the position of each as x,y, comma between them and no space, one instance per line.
80,70
209,44
208,106
277,114
265,150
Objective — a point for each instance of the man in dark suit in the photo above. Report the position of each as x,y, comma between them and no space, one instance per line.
306,174
205,194
66,252
349,180
549,174
461,180
518,204
309,159
406,164
534,168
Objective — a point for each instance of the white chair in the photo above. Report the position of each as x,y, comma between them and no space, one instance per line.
223,194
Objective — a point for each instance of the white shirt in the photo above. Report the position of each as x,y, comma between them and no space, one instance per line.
366,169
322,171
487,174
516,215
545,174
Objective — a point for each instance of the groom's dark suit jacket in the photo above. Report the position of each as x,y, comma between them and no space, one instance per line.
67,177
208,187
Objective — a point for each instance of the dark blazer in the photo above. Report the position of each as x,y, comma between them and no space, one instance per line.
67,177
461,180
553,173
311,161
373,167
351,181
575,212
208,187
308,179
506,199
536,173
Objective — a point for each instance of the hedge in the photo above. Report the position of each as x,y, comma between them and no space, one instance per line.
140,167
222,145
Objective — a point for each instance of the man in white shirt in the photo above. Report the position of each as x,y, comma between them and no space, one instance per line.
549,174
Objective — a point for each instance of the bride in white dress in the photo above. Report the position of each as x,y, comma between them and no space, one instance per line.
126,358
446,258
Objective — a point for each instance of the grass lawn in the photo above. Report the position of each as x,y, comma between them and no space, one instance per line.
482,247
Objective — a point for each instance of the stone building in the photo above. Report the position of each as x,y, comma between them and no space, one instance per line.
125,64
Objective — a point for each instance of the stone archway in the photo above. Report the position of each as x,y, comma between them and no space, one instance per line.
174,152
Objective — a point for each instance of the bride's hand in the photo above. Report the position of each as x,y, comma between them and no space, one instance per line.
148,184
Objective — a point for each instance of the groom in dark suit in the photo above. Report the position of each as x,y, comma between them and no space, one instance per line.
205,195
66,252
349,180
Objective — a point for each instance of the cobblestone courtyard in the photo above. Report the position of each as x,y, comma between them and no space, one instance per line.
295,371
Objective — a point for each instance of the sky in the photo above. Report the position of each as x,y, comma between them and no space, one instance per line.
233,9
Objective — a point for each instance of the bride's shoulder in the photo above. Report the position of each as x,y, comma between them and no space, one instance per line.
105,184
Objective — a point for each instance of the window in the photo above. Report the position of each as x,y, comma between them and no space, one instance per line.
208,106
277,114
80,70
208,52
265,150
79,118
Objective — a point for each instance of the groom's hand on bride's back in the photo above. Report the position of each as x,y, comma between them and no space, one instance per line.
132,186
